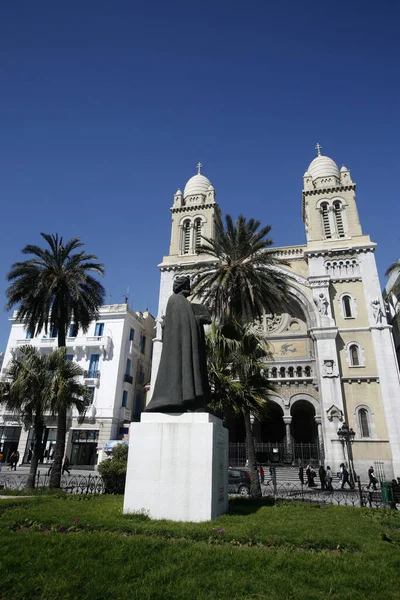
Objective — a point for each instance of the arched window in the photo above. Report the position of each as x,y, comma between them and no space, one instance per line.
274,372
338,218
347,307
197,234
354,355
325,220
364,422
185,241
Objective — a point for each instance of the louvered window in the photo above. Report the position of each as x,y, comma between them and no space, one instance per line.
325,221
339,219
185,237
197,234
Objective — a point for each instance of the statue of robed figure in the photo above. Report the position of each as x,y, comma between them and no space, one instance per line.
182,380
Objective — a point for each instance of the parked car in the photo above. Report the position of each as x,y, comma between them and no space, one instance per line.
239,482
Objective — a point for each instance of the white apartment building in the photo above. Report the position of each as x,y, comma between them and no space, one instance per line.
115,355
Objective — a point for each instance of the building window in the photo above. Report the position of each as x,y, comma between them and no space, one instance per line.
185,239
94,365
197,234
124,399
131,335
364,423
347,308
338,218
73,330
128,366
354,356
69,357
28,335
98,330
53,332
325,221
91,389
143,344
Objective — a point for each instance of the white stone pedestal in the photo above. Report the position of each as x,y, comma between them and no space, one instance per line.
177,467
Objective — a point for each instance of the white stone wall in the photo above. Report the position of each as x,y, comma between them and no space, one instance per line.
106,414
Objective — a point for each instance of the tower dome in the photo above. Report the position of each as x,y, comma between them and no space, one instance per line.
198,184
322,166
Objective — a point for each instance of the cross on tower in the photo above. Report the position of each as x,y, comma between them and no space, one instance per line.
199,166
318,148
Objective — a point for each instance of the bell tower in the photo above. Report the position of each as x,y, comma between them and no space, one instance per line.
193,214
329,204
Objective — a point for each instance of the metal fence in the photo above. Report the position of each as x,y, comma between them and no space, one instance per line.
72,484
361,496
267,452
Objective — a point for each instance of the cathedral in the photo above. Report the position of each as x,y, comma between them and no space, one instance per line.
333,362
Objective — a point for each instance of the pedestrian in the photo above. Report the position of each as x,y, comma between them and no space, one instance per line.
12,461
65,466
329,479
1,459
322,476
301,474
50,469
372,479
272,474
261,474
345,476
310,473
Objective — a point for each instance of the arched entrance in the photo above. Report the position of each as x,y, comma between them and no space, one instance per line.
271,428
304,432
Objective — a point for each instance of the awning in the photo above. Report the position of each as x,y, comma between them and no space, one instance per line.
111,443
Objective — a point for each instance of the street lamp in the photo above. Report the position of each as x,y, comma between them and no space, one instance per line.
346,436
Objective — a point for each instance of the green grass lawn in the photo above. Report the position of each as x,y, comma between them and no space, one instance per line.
83,547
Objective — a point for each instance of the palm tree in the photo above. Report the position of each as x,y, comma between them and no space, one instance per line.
66,392
234,355
52,289
395,290
26,391
244,280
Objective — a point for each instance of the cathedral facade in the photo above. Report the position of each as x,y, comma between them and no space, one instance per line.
332,354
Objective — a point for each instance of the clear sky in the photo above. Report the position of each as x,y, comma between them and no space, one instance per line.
107,106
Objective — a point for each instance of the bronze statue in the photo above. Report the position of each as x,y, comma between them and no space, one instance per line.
182,380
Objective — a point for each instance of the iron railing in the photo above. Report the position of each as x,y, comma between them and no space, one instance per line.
277,453
72,484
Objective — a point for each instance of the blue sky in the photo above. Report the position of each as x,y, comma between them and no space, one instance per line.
106,108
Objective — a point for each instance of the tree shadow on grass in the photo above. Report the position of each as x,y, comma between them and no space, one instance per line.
248,506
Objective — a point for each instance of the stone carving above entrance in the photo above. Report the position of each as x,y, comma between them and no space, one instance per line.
270,324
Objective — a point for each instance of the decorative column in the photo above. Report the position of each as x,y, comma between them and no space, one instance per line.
321,450
288,438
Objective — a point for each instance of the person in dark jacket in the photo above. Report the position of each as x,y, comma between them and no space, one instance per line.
372,479
65,466
322,476
345,476
301,474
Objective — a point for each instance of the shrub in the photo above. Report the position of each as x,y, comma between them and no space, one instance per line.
113,470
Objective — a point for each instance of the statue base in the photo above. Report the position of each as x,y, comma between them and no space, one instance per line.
177,467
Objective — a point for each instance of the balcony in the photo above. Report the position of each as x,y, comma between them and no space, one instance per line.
125,415
128,378
92,374
291,372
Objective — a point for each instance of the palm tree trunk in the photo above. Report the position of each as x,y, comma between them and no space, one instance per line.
55,476
38,428
255,487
